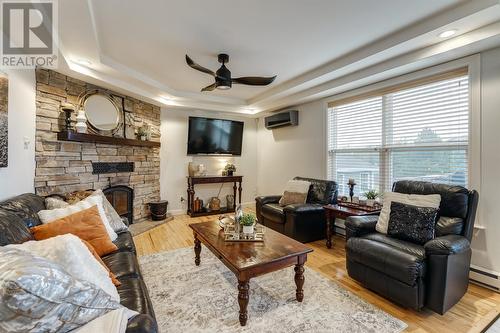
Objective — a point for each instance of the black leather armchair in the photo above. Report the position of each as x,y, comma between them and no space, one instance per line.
303,222
434,275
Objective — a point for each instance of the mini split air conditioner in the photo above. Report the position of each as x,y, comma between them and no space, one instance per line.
282,119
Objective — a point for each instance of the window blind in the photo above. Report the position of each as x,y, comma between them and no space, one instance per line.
417,132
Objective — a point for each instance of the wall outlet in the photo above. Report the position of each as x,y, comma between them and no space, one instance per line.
182,199
27,142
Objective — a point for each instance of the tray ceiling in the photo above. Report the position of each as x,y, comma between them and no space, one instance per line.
139,46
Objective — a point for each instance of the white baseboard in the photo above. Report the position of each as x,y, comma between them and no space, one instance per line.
176,212
250,204
485,277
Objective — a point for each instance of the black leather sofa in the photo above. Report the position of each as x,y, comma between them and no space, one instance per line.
302,222
18,214
435,275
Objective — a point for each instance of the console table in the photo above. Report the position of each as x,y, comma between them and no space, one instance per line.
194,180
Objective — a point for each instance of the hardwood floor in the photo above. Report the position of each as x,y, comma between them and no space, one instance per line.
473,313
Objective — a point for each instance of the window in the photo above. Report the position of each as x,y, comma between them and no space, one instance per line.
417,131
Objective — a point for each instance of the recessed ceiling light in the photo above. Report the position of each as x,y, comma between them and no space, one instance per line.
166,100
447,33
83,62
249,110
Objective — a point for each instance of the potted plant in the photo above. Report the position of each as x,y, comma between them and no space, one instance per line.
370,197
248,222
142,133
230,169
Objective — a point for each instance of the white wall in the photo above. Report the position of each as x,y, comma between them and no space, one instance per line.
174,160
301,151
292,151
486,243
18,177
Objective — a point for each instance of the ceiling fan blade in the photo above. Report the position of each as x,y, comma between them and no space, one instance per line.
210,87
194,65
254,80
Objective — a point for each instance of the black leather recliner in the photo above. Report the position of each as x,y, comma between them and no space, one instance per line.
18,214
302,222
434,275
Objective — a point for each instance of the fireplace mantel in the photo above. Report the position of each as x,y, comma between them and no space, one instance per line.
93,138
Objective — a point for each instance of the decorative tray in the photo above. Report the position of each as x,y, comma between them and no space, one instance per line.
362,207
232,235
232,232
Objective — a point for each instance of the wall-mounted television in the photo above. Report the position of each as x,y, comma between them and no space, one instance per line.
214,136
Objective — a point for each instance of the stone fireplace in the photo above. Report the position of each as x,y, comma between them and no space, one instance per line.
63,166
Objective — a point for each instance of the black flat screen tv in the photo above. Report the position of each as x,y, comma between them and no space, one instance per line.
214,136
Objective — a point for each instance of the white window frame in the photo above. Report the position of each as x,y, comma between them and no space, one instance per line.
473,64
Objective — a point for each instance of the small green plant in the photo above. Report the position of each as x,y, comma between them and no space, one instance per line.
142,131
230,167
371,195
247,220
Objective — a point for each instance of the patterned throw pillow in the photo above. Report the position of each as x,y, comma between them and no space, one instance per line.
295,192
412,223
115,221
74,197
38,295
54,203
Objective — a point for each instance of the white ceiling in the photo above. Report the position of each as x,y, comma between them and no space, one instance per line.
139,46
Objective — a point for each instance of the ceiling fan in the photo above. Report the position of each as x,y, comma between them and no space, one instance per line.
223,78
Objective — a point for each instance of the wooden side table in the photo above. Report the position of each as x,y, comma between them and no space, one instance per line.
335,211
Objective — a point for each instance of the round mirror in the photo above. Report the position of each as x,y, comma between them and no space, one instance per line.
101,112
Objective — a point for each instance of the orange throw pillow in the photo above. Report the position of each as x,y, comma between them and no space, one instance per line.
96,256
86,224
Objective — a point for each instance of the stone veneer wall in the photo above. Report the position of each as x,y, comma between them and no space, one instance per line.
63,166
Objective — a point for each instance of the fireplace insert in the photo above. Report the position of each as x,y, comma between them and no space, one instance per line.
122,199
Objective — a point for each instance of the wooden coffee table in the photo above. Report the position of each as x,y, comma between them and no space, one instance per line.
250,259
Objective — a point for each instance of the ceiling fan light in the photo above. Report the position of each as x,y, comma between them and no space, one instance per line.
223,87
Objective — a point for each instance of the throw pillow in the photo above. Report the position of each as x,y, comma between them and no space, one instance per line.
74,197
86,224
47,216
295,192
111,275
38,295
76,259
431,200
115,221
54,203
412,223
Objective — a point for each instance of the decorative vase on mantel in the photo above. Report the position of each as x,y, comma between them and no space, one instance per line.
81,122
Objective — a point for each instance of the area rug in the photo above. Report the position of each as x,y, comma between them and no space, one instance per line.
187,298
141,227
494,326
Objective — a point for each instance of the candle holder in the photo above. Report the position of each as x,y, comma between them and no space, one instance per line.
67,114
351,185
